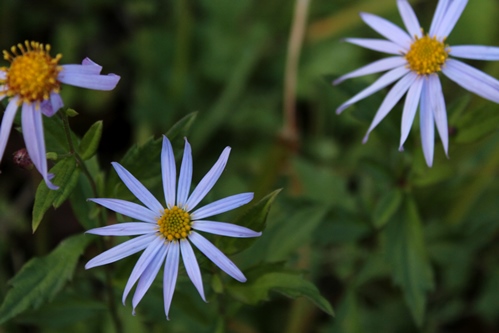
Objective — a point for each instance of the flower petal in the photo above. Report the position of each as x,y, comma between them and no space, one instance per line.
87,67
222,205
379,45
379,84
3,75
168,172
426,124
138,189
121,251
438,16
32,125
170,276
90,81
451,15
192,266
393,96
439,111
224,229
6,125
375,67
128,208
51,106
216,256
208,181
476,52
410,19
124,229
387,29
472,79
410,107
185,178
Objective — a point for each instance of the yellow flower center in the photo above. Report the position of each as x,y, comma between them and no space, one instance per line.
175,224
427,55
32,74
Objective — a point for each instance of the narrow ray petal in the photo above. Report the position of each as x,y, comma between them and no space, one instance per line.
6,125
168,172
222,205
438,16
379,45
410,19
208,181
216,256
426,124
89,81
3,75
393,96
191,266
170,276
379,84
87,67
128,208
388,30
51,106
121,251
185,178
450,18
476,52
439,111
138,189
224,229
124,229
410,108
472,79
375,67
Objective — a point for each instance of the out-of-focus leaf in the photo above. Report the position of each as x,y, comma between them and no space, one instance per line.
90,141
488,302
387,206
66,176
348,319
41,279
178,131
264,279
476,124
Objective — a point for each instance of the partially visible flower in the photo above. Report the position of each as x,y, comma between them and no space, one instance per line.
418,58
167,233
33,81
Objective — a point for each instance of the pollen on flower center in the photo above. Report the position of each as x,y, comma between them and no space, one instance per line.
32,74
175,224
427,55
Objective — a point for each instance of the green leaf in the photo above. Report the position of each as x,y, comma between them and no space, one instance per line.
41,279
406,252
83,210
66,176
266,278
387,206
181,127
475,124
90,141
254,218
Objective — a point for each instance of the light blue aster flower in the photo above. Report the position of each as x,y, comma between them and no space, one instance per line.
418,58
166,234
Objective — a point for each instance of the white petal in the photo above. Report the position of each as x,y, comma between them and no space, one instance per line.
426,124
375,67
439,110
379,45
34,139
222,205
410,107
145,259
6,126
409,17
208,181
393,96
216,256
128,208
438,16
3,75
185,178
477,52
124,229
224,229
379,84
138,189
449,20
472,79
168,172
387,29
121,251
89,81
192,266
170,275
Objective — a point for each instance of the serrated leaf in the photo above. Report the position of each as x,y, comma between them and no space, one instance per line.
264,279
40,279
66,176
406,252
387,206
254,218
90,141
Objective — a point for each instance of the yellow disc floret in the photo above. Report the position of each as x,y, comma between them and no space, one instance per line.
32,74
175,224
427,55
